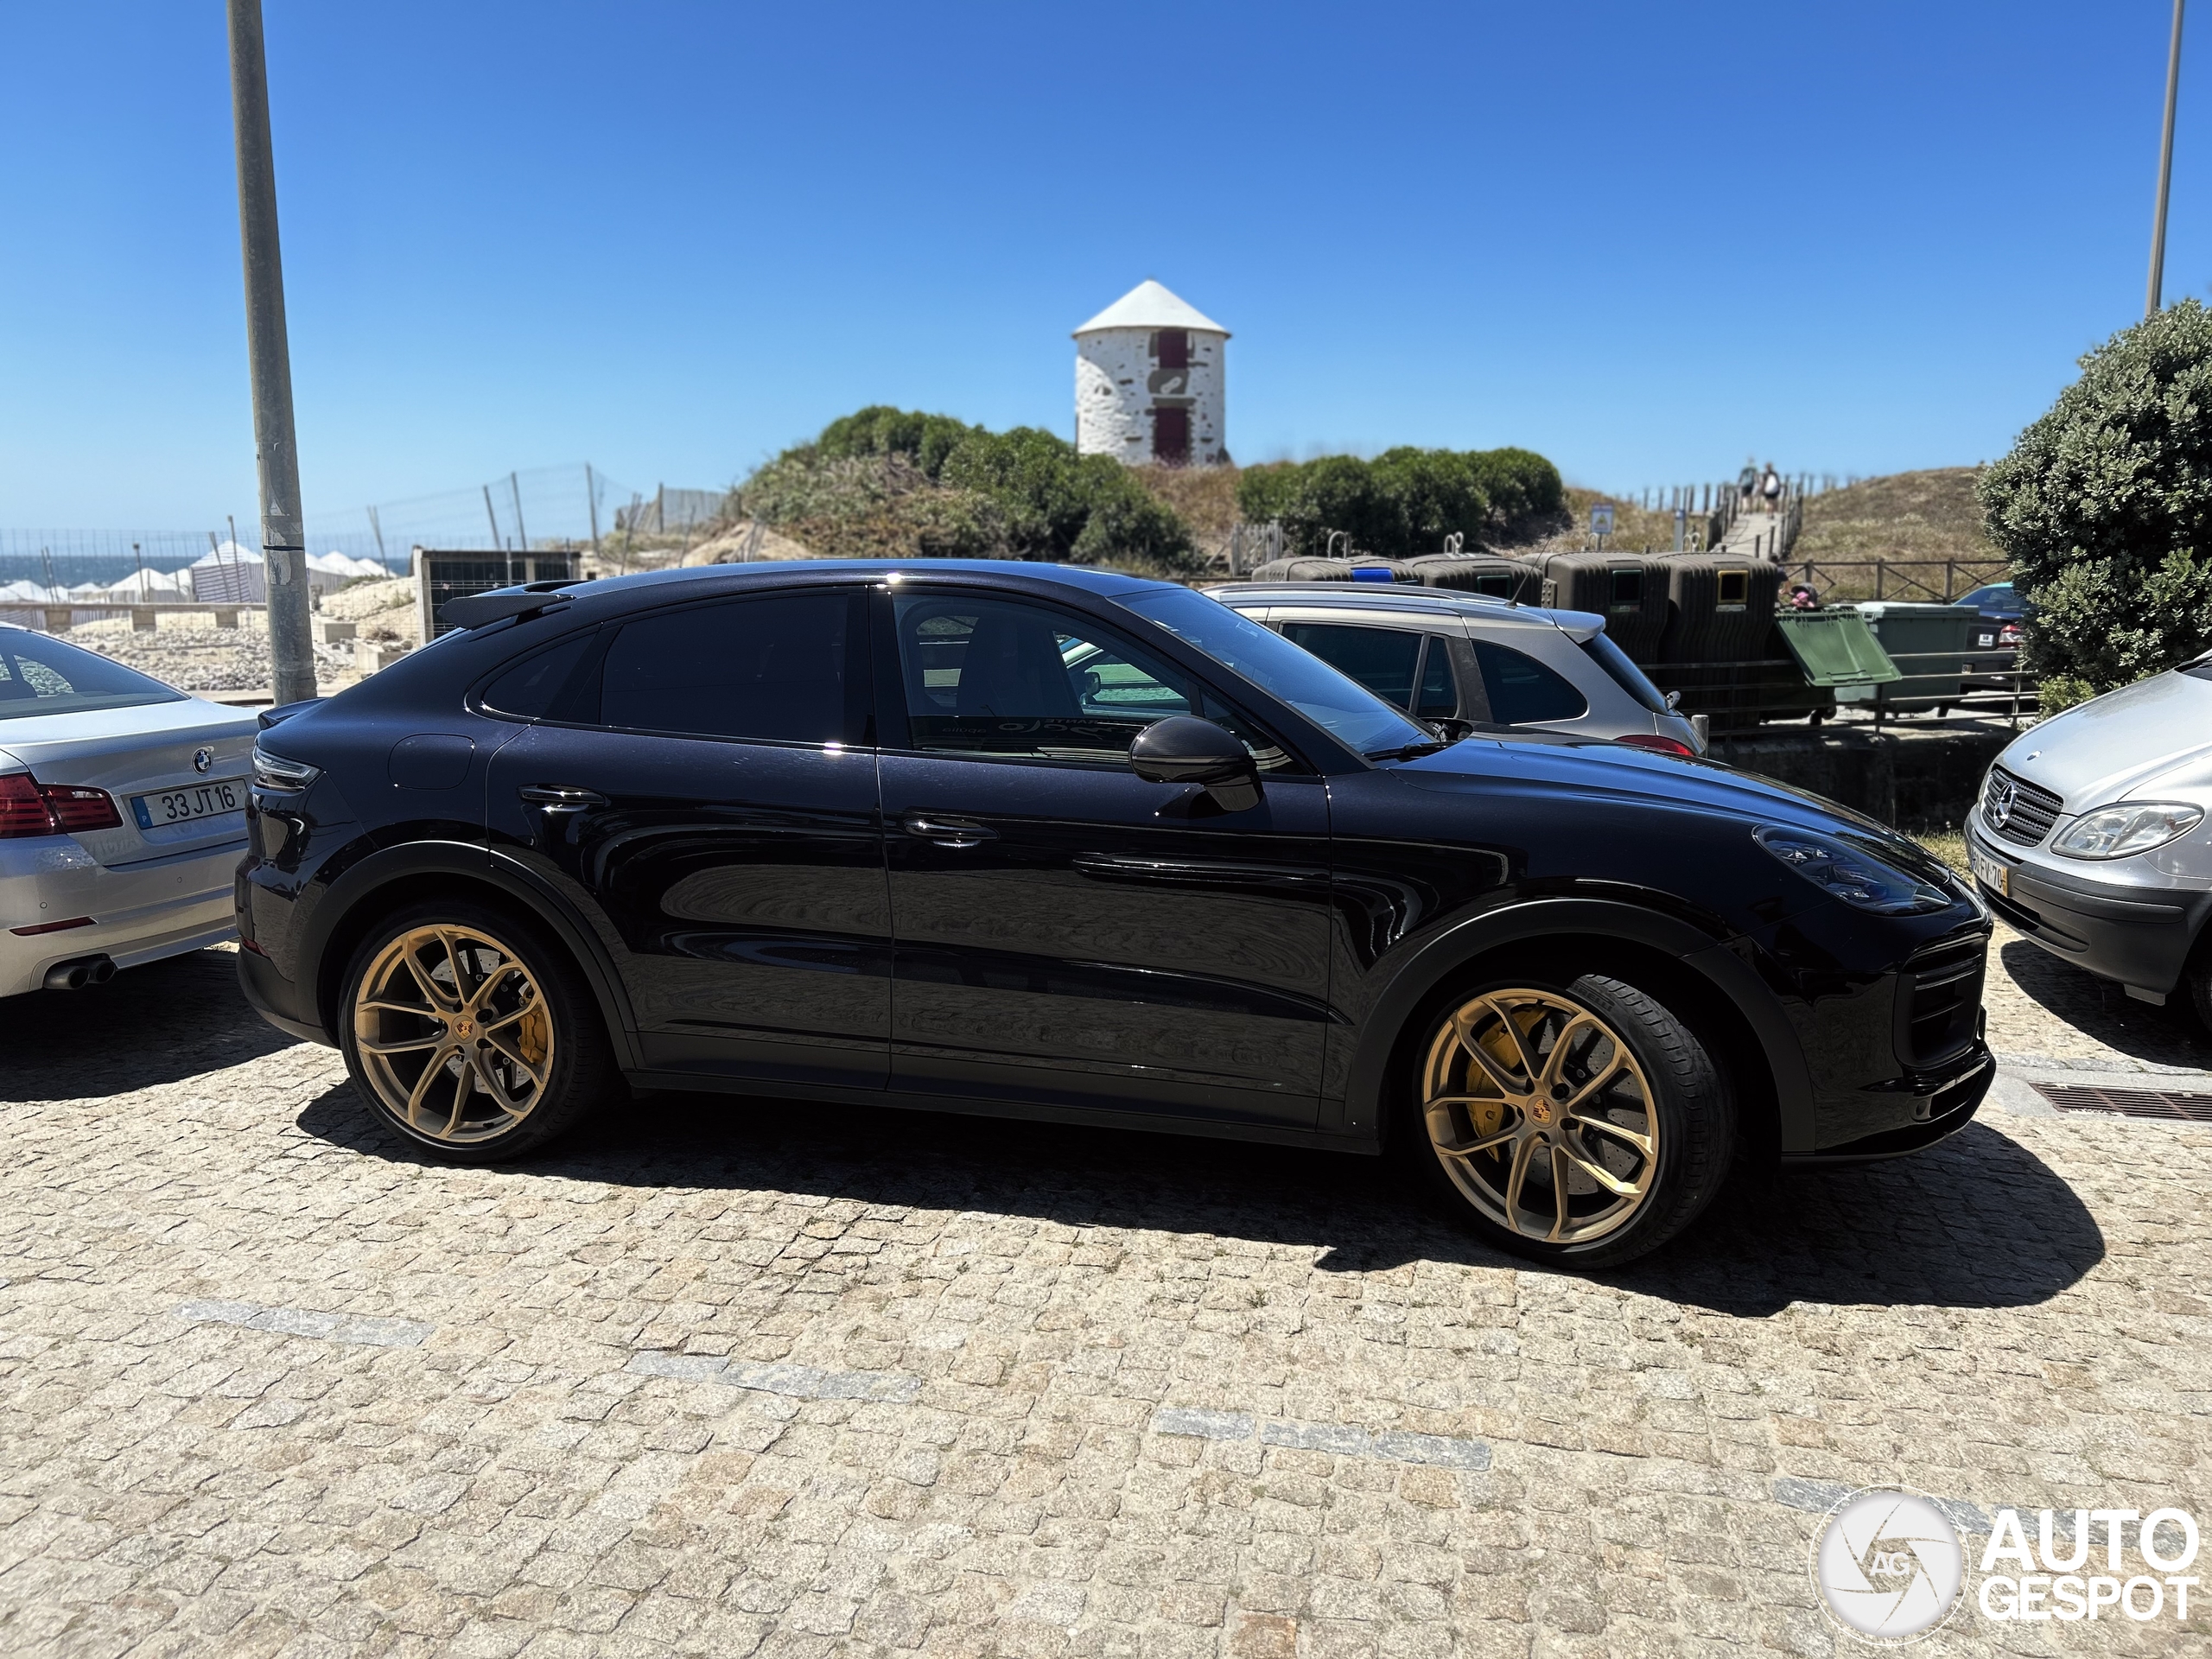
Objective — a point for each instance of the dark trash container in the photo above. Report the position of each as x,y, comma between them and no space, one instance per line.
1381,570
1485,573
1627,589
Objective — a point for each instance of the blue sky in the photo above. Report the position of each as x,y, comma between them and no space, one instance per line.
670,238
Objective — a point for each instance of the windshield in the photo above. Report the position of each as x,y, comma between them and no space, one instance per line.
1626,674
39,675
1353,714
1998,596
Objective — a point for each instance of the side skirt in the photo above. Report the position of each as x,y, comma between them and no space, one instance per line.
968,1106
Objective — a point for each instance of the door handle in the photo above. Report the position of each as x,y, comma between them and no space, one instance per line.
947,832
560,798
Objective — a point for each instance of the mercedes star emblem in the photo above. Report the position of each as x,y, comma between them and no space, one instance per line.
2000,803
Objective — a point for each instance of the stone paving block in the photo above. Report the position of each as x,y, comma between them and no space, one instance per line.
729,1378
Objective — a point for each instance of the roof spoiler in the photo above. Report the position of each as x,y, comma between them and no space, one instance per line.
476,610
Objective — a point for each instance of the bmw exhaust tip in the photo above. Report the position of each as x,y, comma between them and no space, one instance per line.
79,972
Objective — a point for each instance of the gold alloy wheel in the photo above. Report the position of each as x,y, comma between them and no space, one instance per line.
1541,1115
453,1033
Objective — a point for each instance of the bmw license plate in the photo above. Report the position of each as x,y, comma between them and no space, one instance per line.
194,801
1993,873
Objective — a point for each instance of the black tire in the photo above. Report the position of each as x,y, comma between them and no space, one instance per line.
515,1057
1668,1077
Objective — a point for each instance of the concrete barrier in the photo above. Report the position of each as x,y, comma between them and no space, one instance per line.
1909,777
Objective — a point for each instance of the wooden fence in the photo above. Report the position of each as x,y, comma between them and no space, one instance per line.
1930,581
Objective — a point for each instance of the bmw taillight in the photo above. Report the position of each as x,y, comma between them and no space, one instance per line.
1664,745
30,808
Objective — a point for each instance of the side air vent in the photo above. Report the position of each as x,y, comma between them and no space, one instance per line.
1940,1000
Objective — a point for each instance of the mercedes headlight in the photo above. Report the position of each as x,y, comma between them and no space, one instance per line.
2124,830
1846,870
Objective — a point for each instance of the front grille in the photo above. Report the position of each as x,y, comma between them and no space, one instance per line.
1943,1000
2016,808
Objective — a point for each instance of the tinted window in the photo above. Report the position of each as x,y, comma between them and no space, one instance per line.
1522,689
998,677
758,668
41,676
1999,596
1440,690
1355,715
1384,660
1600,649
528,689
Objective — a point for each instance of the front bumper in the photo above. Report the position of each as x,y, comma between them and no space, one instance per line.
140,913
1925,1106
2138,935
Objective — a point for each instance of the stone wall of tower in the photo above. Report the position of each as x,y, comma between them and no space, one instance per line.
1118,382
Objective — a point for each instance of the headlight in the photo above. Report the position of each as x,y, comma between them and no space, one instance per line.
274,772
2124,830
1847,871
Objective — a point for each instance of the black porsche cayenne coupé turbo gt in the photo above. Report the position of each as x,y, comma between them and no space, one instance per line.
1059,843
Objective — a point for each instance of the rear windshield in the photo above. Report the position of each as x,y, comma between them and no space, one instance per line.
1626,675
39,675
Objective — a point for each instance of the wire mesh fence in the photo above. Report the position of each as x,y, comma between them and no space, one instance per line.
539,507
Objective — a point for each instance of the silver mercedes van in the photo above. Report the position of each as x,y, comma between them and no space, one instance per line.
2090,835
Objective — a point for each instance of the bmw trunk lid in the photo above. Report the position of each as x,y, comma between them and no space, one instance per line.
164,756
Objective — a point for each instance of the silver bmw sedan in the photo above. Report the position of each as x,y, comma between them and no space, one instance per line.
122,816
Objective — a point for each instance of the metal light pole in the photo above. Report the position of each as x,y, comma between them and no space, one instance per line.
2165,170
283,551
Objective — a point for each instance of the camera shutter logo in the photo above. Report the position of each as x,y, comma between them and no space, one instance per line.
203,759
1889,1565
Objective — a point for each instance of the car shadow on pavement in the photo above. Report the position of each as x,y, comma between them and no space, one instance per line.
1978,1222
158,1024
2102,1010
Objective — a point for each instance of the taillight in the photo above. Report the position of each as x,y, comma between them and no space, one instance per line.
30,808
2010,634
23,809
1664,745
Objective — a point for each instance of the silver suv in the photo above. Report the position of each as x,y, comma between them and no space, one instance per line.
1439,654
2089,836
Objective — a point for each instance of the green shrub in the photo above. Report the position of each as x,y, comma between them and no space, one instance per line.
1437,493
1341,492
2104,507
2060,692
885,483
1521,484
1406,501
1035,478
1265,492
880,429
869,506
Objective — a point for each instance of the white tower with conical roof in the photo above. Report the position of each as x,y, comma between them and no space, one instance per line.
1149,382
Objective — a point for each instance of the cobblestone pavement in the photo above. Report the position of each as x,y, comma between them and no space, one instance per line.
2045,1013
728,1378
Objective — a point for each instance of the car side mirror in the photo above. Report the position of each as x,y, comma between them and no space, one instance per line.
1184,749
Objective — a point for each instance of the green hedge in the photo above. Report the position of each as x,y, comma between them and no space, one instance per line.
1023,494
2104,508
1404,502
